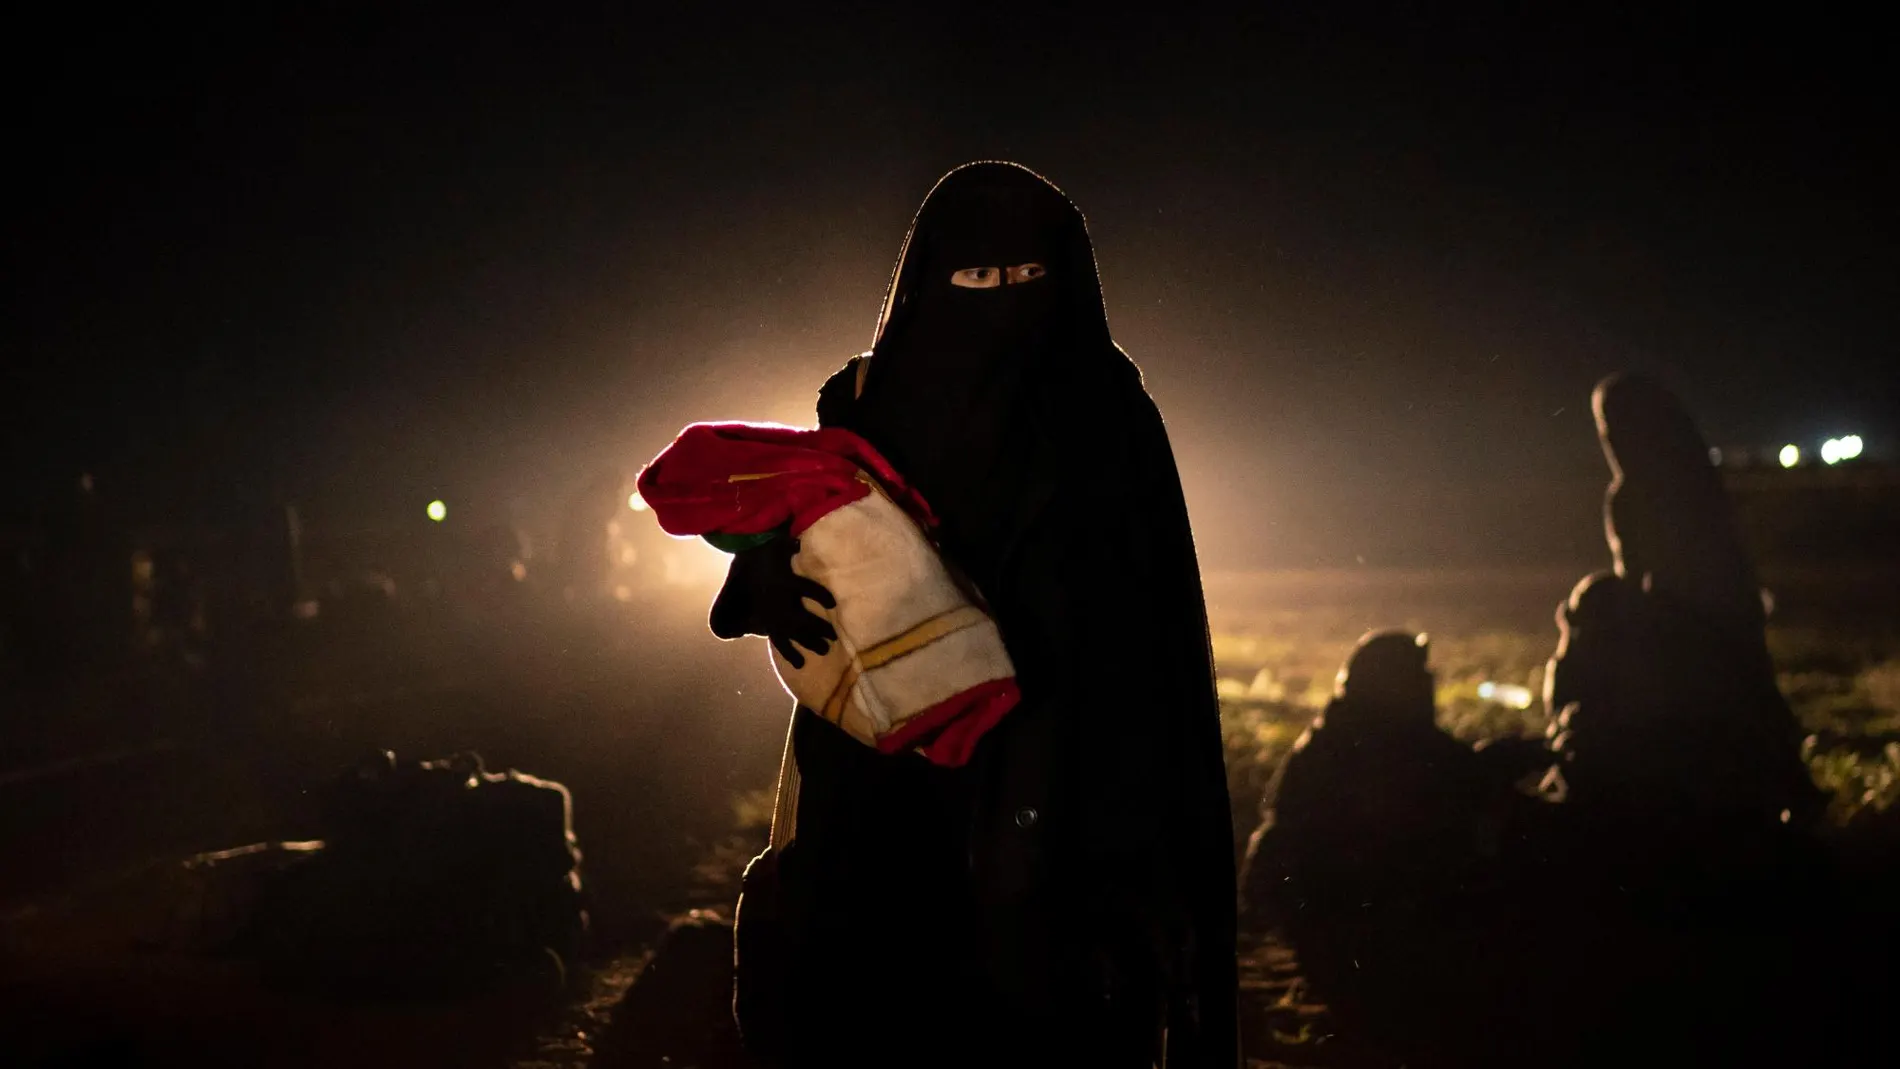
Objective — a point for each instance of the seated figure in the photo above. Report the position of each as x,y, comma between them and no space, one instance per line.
1682,838
1677,748
1379,857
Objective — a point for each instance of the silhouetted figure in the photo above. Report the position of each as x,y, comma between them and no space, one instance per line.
1670,720
679,1011
585,561
88,573
177,607
1380,859
1685,798
1067,896
435,878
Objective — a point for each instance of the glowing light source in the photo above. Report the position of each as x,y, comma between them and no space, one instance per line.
1835,450
1790,455
1507,694
1715,456
693,562
437,510
636,502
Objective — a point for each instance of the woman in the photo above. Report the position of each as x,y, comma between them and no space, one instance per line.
1685,859
1672,725
1381,858
1067,897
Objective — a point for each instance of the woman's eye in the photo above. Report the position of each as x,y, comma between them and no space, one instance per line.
977,278
1025,272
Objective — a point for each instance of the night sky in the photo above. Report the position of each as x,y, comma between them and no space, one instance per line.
1371,262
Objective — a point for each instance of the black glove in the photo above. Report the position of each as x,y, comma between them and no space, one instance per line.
763,596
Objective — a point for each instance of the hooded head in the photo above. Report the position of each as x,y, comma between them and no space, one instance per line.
998,261
1666,515
992,341
1385,685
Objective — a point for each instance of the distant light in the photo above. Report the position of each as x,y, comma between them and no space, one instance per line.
1715,456
636,502
1506,694
623,593
437,510
1835,450
518,570
1790,455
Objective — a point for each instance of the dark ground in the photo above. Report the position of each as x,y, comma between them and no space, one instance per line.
620,709
654,726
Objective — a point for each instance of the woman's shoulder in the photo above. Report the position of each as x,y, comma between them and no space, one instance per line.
840,392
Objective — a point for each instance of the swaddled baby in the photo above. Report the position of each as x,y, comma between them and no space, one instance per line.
918,662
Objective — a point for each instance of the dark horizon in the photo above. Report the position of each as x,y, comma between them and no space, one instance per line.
1371,266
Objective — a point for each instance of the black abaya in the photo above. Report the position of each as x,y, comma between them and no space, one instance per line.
1075,882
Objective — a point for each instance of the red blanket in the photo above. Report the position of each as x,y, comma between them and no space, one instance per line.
751,478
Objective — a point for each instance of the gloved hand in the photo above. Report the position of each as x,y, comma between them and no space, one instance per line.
764,596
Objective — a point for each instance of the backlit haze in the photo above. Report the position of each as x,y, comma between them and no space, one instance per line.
1371,267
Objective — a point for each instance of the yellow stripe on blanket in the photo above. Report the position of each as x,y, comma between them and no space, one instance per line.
840,695
937,627
946,623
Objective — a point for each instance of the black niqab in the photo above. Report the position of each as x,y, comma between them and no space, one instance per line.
964,386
